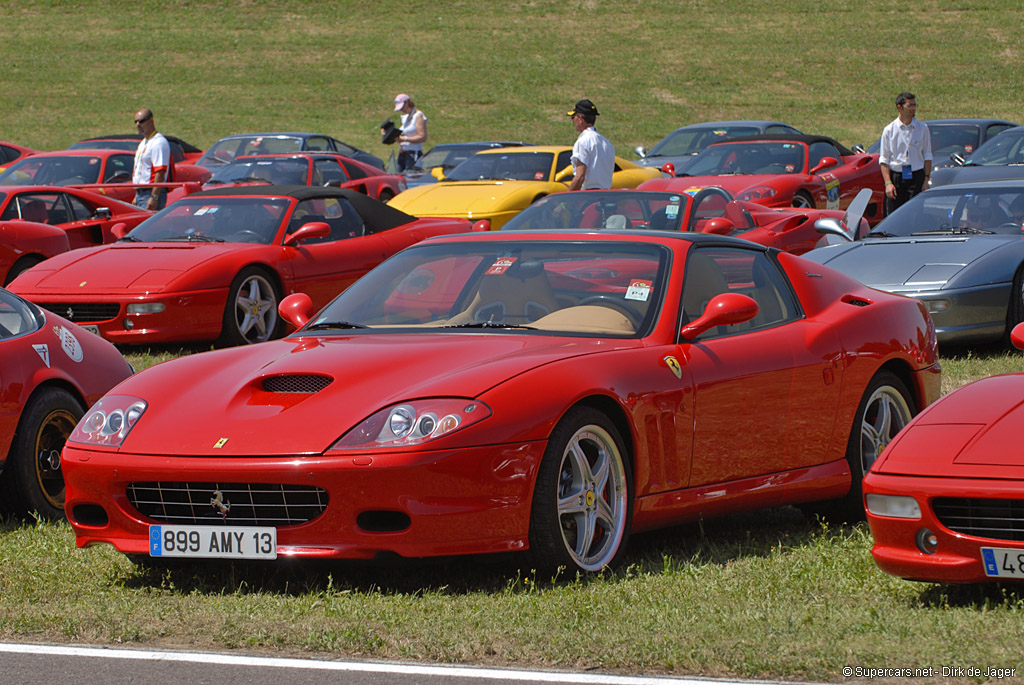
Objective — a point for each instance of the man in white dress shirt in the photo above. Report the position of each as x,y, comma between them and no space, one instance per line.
906,154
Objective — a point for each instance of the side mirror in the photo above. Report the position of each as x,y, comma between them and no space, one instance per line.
314,229
564,175
481,226
640,150
296,309
825,163
669,169
437,172
1017,336
958,159
723,310
119,230
719,226
101,213
830,226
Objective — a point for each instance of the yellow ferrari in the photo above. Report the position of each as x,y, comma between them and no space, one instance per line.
498,184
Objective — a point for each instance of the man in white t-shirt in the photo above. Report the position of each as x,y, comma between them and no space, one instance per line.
593,157
152,162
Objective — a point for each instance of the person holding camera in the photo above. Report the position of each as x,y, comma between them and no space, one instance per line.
412,132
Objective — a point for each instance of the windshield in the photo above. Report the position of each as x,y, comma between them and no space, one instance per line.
691,139
220,219
16,316
947,139
53,171
584,287
604,209
749,159
448,156
507,166
226,149
1006,148
282,171
938,211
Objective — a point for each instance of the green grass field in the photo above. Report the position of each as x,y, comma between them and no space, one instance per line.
767,595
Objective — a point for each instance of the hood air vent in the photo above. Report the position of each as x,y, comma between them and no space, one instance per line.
305,383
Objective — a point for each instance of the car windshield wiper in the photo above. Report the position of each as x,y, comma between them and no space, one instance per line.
129,239
195,238
327,325
881,234
490,324
952,230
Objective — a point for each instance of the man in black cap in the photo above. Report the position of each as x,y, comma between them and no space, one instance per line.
593,157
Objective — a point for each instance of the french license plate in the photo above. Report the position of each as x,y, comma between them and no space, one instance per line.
1001,562
91,328
213,542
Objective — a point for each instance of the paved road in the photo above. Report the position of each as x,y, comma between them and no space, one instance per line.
27,664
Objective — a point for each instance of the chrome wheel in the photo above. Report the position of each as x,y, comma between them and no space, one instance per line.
255,309
803,201
591,498
886,412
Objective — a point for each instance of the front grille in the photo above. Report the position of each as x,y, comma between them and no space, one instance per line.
296,383
995,519
83,311
249,504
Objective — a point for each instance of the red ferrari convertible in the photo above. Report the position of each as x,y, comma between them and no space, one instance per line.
87,217
548,392
945,501
215,264
50,372
304,168
782,171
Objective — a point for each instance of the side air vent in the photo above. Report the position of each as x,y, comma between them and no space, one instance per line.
307,383
856,301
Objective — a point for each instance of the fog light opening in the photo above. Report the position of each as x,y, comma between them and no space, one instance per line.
128,324
927,541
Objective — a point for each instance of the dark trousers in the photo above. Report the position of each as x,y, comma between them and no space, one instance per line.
408,159
905,189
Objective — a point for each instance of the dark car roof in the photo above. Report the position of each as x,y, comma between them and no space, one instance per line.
969,120
376,215
138,136
802,138
760,123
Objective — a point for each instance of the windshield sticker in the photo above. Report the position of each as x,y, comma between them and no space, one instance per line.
720,132
539,176
205,210
790,168
693,190
93,161
672,211
69,343
44,353
639,289
500,266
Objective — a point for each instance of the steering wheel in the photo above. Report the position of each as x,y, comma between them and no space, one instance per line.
246,232
612,303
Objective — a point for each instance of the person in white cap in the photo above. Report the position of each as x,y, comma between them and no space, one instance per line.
414,132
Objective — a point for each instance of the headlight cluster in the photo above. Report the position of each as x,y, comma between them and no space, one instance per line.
413,423
109,421
757,193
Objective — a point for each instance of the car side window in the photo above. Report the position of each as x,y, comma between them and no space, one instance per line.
79,210
317,143
995,129
353,171
784,130
330,171
712,271
336,212
119,169
819,151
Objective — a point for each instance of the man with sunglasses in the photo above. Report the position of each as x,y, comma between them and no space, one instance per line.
152,162
593,157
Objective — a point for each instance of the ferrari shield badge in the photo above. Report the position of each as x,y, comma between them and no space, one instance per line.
674,366
220,443
44,353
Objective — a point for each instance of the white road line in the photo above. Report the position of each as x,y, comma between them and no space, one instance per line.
354,666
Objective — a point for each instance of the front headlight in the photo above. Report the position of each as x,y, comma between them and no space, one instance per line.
757,193
109,421
413,423
893,506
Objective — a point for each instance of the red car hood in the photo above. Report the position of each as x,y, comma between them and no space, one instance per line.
973,432
123,268
196,401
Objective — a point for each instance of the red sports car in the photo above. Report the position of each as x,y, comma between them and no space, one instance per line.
305,168
215,264
88,217
782,171
944,501
712,210
181,152
504,391
107,168
11,153
51,371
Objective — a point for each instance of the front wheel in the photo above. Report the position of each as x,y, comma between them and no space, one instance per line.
386,195
32,479
250,315
802,200
582,502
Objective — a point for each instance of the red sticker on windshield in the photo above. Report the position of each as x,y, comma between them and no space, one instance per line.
500,266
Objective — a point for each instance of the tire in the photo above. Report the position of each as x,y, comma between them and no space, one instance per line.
885,408
803,200
22,265
32,479
250,314
568,493
386,195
